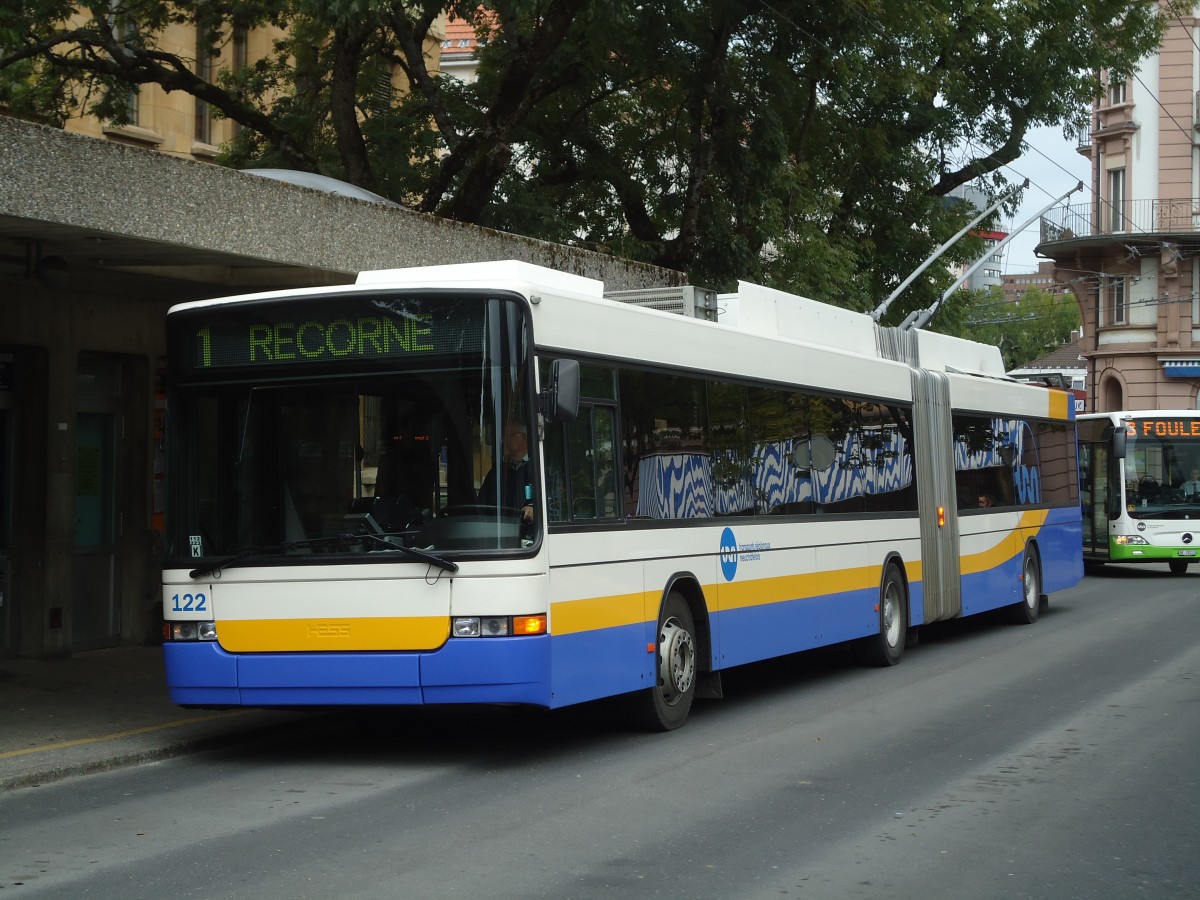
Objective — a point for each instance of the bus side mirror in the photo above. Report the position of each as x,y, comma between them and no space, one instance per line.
560,398
1119,446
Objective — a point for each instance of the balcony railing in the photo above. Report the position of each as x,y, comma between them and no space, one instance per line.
1066,223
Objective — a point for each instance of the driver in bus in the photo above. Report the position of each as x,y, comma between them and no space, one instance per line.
516,477
1191,487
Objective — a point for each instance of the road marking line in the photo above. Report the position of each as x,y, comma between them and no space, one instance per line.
120,734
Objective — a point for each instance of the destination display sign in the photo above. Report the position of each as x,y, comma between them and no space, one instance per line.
330,331
1163,427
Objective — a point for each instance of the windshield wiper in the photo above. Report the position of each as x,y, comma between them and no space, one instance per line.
415,553
286,546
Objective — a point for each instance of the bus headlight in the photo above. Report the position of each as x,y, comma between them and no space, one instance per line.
1125,539
465,626
190,631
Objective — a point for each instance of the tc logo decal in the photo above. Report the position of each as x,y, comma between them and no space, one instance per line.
729,554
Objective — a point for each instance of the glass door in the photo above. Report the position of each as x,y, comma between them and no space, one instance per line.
94,620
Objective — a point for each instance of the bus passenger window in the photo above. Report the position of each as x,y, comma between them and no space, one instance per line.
556,482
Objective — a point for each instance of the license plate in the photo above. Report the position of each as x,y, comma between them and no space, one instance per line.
1187,552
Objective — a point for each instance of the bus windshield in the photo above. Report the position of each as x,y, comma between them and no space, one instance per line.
1162,469
314,426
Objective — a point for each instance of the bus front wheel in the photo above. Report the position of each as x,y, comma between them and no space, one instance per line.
1177,566
665,706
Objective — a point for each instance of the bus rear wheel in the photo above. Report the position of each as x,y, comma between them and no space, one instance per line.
665,706
887,647
1025,612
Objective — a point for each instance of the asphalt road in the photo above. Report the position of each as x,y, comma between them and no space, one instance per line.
1052,761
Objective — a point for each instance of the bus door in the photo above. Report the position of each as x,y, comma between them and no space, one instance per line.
936,496
1099,495
1102,449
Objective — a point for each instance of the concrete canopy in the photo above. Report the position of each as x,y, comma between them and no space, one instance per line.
114,210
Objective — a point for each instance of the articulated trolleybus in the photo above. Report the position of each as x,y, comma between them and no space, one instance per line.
1140,487
675,495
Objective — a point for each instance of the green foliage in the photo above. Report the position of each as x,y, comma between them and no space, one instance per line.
807,145
1024,329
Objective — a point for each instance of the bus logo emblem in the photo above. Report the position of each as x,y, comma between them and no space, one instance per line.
729,554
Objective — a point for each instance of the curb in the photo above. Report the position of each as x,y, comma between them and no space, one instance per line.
51,772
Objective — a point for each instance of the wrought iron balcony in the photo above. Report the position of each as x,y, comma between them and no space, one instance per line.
1137,218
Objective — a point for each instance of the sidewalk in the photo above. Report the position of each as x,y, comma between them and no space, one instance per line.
103,709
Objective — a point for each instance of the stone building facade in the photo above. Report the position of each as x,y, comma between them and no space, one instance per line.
1132,255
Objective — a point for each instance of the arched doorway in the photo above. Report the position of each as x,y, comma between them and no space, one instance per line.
1113,394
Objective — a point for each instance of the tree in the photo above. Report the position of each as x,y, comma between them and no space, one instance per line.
1036,323
805,144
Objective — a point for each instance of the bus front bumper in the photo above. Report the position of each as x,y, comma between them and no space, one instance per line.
464,670
1149,553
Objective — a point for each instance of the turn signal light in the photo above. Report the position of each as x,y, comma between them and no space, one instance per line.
529,624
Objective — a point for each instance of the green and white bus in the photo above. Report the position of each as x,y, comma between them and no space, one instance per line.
1140,487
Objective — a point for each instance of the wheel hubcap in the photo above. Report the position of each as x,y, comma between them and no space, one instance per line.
676,660
891,614
1031,585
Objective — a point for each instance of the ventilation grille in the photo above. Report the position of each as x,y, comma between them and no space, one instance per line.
685,300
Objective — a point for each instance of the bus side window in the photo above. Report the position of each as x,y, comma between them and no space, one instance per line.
590,445
581,478
604,434
581,467
556,482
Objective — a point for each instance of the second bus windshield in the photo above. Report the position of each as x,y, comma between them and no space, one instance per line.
1162,470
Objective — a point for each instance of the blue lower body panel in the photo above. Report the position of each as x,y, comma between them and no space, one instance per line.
1061,543
478,670
603,663
762,632
993,588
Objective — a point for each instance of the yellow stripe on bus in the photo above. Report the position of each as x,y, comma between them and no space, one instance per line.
375,633
595,613
742,594
1010,545
586,614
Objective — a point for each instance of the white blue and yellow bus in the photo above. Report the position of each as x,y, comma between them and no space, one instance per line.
694,494
1140,487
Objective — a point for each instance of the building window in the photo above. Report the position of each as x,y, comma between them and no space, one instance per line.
1116,93
124,31
241,59
1116,304
204,70
1116,199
